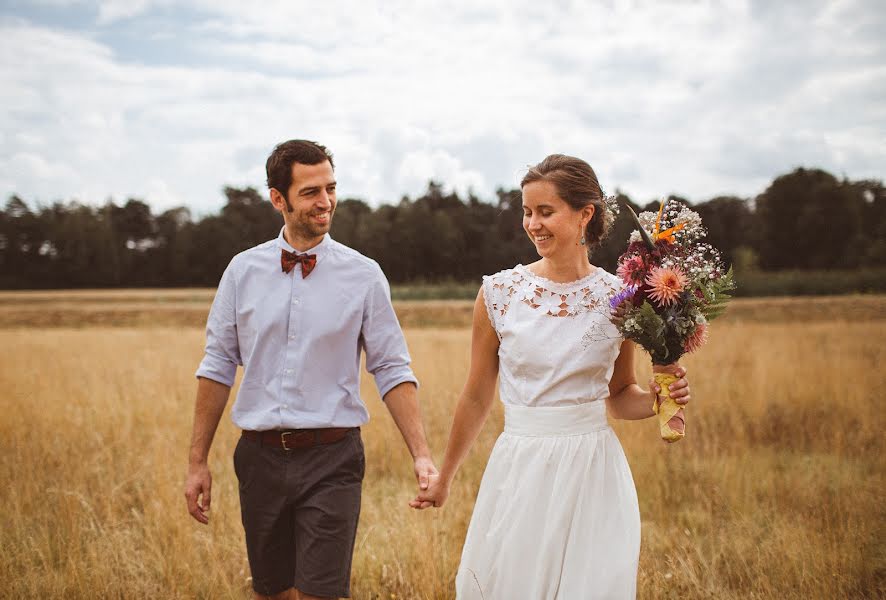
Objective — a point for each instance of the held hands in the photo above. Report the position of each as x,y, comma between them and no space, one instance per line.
435,495
426,474
679,391
197,491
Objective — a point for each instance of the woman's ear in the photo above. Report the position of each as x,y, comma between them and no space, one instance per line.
587,213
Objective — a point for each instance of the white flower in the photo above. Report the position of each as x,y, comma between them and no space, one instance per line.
631,324
550,302
512,278
572,303
647,220
525,291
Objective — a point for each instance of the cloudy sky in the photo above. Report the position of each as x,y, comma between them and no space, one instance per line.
170,101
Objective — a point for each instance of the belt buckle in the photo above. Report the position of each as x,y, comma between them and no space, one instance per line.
283,439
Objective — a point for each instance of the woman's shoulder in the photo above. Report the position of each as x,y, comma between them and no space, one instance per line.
608,282
505,276
609,278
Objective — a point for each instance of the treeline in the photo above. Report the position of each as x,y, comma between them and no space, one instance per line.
807,219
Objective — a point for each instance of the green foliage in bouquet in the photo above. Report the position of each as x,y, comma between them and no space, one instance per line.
650,333
717,296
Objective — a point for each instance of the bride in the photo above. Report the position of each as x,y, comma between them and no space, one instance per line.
556,516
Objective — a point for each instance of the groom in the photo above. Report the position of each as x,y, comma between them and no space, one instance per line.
296,312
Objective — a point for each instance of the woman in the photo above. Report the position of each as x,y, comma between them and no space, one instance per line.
556,515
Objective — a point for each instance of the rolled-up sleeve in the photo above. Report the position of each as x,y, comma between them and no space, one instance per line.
222,354
387,356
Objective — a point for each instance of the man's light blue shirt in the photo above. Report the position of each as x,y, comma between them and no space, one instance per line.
299,340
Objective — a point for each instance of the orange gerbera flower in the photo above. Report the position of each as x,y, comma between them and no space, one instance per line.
665,284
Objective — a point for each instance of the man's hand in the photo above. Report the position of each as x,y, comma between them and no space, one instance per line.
435,495
197,491
425,472
211,399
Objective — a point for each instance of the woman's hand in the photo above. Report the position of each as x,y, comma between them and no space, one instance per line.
678,390
435,495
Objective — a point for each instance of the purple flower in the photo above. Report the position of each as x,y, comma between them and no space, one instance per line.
625,295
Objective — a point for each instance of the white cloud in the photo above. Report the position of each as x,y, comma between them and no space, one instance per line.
418,166
110,11
693,98
36,166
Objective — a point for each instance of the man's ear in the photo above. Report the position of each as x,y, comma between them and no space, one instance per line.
279,201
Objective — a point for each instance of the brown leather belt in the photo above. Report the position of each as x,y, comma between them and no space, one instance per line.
291,439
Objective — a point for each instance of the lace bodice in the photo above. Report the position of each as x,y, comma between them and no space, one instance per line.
557,346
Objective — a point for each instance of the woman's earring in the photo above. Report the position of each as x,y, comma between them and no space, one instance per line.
582,240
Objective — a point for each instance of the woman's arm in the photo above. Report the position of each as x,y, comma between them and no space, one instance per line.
473,406
629,401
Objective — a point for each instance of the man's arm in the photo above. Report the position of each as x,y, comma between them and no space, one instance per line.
211,399
387,358
402,403
215,376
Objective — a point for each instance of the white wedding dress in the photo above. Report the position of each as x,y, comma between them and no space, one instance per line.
556,516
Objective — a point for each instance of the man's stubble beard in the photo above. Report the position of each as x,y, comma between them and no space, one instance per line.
304,228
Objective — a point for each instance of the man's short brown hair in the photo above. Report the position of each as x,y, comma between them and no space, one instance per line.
279,165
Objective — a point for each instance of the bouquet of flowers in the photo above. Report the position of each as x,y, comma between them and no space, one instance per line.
674,286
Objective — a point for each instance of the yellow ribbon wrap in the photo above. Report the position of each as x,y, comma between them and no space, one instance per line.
667,409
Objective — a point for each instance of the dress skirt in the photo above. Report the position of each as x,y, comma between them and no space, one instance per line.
556,516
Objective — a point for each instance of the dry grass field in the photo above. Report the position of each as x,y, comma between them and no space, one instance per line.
777,492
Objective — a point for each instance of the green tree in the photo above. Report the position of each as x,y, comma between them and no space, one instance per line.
169,264
809,220
730,224
24,255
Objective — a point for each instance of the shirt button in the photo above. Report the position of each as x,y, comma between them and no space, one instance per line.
288,371
291,337
295,301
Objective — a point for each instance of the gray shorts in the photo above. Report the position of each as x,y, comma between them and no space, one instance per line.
300,509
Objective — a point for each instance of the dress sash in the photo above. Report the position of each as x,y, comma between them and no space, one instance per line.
547,421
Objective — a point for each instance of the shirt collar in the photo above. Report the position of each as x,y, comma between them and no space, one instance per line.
320,249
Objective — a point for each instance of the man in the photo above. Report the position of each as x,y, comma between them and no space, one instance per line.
296,312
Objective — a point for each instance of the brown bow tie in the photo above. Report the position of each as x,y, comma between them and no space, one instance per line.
288,261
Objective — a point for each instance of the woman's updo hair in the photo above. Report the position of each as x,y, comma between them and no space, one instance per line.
577,185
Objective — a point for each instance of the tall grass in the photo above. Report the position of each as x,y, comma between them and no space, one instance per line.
775,493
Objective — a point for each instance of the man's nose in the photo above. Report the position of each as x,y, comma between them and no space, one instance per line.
324,200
